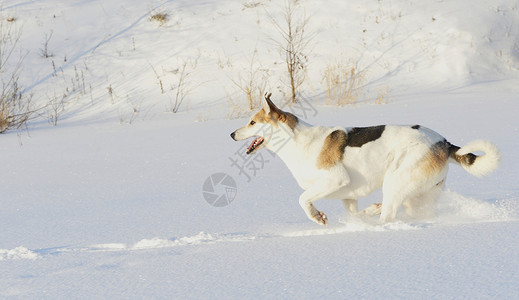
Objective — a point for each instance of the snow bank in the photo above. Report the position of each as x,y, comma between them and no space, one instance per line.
18,253
156,243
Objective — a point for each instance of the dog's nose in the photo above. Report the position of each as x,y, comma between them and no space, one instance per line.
232,135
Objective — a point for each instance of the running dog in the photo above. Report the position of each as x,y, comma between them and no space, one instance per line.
409,163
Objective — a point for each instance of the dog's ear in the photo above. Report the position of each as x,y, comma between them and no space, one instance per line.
268,106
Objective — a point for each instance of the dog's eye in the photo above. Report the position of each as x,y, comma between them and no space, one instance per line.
252,123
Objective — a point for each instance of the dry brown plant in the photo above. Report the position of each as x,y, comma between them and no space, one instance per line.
294,44
344,84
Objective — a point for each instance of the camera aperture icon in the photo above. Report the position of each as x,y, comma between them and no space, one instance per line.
219,189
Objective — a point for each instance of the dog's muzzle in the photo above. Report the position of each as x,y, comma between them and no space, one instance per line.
233,134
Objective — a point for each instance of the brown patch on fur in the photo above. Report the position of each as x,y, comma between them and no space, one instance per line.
333,149
276,115
289,119
260,117
466,159
435,160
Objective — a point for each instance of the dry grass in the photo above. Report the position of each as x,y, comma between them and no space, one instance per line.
382,95
236,110
15,108
344,84
294,44
251,82
251,4
252,96
4,117
161,17
178,83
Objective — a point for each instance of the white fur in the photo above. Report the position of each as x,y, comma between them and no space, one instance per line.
485,164
393,162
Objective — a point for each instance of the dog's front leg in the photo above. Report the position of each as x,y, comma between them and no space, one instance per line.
320,189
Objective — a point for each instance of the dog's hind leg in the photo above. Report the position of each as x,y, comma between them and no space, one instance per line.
423,206
397,189
372,210
416,192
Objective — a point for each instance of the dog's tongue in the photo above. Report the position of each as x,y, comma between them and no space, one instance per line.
254,144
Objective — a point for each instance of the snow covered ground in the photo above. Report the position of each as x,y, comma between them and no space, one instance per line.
109,203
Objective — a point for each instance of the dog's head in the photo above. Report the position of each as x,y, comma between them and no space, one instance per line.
265,124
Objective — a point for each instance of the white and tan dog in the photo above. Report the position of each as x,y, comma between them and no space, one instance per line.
410,163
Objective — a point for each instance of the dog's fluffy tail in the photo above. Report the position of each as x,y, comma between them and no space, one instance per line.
477,165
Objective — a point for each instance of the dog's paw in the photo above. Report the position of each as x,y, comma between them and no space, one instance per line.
372,210
320,218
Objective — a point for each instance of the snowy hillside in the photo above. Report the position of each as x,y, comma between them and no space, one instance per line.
111,202
112,60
